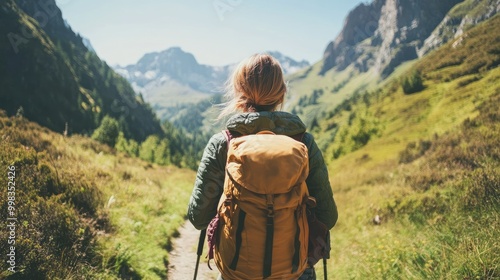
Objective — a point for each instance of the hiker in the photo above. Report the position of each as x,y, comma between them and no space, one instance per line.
256,90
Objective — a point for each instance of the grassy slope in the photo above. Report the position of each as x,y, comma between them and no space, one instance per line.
439,213
430,168
337,87
87,212
171,94
147,204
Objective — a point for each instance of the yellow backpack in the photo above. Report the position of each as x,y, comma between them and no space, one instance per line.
262,230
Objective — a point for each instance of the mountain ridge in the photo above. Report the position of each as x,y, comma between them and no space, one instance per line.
426,164
397,28
173,77
401,30
362,58
58,82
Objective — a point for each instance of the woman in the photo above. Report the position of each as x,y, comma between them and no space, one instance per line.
256,90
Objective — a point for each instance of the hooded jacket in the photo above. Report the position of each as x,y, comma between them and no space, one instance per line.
209,183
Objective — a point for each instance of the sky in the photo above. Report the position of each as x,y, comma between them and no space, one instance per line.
216,32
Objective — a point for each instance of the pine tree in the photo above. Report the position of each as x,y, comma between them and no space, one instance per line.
108,132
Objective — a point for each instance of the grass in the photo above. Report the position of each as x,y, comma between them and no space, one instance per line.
431,172
440,217
337,87
430,169
147,211
88,212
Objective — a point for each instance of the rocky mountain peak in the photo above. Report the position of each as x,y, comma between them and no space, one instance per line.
173,61
384,33
174,64
288,64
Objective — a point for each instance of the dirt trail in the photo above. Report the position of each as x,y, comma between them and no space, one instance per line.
182,258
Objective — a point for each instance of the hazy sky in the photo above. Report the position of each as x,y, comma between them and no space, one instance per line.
216,32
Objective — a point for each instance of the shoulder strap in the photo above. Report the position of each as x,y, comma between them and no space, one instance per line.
233,134
230,135
299,137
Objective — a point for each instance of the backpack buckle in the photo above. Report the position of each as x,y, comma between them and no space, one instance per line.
310,202
270,210
270,205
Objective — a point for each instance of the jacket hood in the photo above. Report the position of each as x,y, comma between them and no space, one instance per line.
278,122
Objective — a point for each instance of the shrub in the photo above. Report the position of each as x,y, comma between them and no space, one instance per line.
162,152
107,133
148,147
414,151
412,83
53,241
56,209
81,193
121,143
482,188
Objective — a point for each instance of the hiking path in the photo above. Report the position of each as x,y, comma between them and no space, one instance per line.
182,259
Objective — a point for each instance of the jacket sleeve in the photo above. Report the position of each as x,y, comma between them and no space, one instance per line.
209,183
319,185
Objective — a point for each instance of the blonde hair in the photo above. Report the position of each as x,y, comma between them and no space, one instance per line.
257,84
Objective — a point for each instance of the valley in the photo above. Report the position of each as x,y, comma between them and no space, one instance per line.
403,105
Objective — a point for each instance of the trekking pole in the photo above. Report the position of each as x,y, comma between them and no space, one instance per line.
324,269
327,256
201,241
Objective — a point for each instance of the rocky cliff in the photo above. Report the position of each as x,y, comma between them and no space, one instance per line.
462,17
383,34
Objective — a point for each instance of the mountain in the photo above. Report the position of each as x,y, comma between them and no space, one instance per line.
86,42
288,64
48,74
385,33
461,18
173,64
173,77
419,172
380,40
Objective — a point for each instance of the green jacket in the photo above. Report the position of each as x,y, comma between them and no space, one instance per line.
209,181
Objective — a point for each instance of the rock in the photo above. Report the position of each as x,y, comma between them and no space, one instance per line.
391,31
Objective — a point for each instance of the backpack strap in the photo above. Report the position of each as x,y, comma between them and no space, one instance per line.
296,254
268,253
233,134
228,134
239,239
299,137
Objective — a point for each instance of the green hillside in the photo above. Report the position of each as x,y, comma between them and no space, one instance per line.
426,163
312,94
85,211
50,77
414,160
46,70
